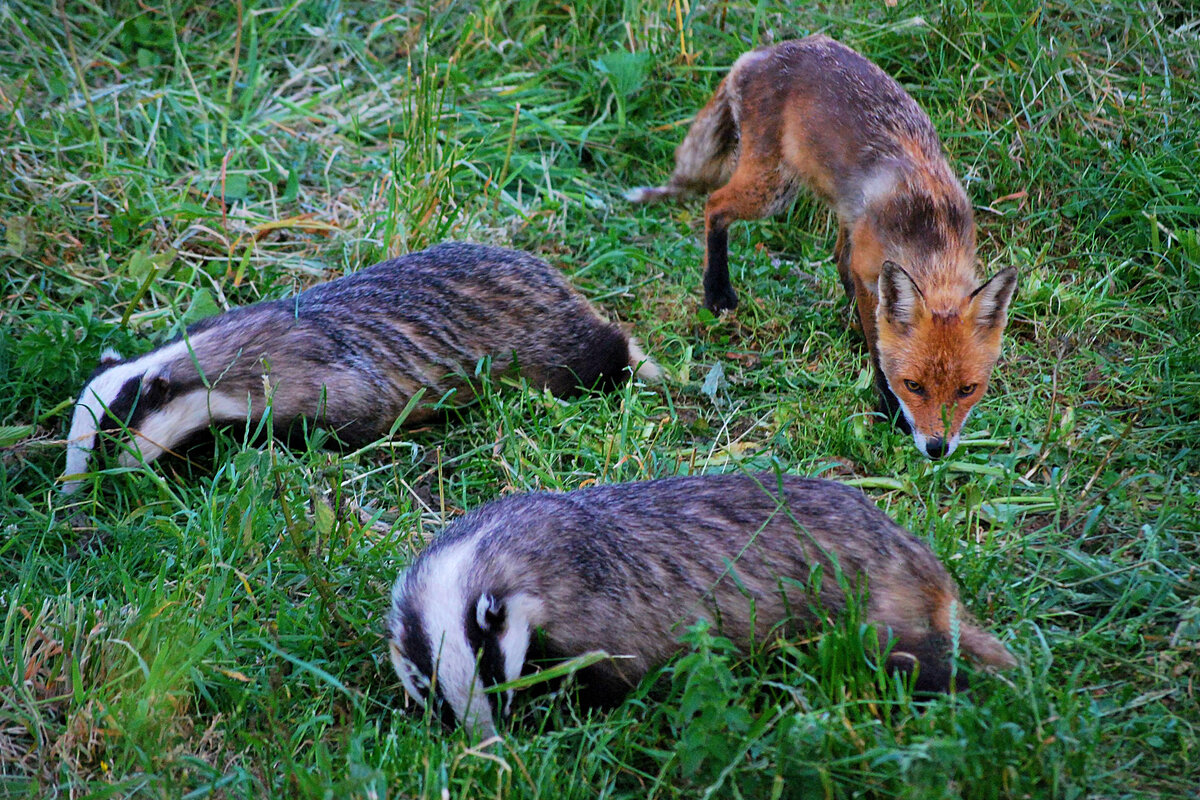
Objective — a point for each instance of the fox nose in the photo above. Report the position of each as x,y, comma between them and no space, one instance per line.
936,447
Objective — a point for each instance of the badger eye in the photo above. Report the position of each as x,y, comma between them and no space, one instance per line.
914,387
968,390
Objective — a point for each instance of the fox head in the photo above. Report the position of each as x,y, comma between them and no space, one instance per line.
937,362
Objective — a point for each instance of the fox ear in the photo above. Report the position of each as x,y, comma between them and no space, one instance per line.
489,614
990,302
899,296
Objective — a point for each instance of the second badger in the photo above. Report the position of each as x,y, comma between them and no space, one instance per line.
625,568
350,354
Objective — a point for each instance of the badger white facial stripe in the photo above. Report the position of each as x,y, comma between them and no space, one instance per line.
161,430
444,610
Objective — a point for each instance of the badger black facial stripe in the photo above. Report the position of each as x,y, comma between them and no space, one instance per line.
416,683
120,411
416,647
486,646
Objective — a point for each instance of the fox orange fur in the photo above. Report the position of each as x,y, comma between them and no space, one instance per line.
813,112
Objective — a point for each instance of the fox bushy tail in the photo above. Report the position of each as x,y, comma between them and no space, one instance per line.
706,158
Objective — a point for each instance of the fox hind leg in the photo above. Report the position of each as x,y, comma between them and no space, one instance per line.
754,192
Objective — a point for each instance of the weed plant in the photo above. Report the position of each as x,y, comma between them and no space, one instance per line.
217,631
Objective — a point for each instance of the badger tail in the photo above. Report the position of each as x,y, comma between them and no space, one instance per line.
983,648
974,642
930,657
706,158
929,650
643,367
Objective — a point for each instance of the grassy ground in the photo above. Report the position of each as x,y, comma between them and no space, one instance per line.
219,633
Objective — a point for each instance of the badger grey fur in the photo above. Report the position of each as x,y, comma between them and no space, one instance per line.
626,568
350,354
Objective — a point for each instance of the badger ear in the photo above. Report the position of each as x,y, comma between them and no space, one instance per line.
490,614
990,302
900,299
156,390
110,357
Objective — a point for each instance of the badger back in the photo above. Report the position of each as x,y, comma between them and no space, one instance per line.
753,554
436,313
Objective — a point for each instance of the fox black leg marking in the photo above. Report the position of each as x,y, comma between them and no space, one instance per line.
718,291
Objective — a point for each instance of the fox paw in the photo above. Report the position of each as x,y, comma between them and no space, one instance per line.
721,300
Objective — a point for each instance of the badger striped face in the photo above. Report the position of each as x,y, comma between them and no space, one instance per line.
140,396
112,398
448,645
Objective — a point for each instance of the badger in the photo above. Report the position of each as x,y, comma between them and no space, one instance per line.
626,568
350,354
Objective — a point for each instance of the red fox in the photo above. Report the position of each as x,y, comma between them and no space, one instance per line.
815,113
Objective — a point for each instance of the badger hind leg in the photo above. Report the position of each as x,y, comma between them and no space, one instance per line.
602,360
929,658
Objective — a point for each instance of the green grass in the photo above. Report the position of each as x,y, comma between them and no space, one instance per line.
220,633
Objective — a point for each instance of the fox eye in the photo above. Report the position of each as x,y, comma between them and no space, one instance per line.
968,390
914,387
